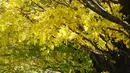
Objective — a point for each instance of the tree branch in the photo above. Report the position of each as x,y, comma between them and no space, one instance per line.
62,3
38,5
127,35
101,11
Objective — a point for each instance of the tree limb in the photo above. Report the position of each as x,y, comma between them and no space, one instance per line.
101,11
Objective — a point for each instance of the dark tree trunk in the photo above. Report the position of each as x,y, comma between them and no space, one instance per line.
116,62
126,9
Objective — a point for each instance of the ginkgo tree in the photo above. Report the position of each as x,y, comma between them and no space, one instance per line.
60,35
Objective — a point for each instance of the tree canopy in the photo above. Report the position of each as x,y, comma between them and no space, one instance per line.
62,35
